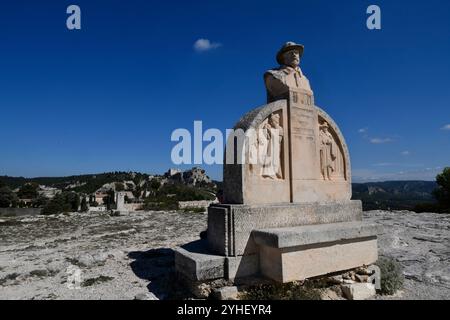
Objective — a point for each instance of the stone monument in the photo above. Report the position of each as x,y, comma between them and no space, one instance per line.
120,202
287,216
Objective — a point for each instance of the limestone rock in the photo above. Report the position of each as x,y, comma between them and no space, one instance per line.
348,281
191,177
329,294
358,291
145,296
89,260
361,278
226,293
363,271
336,279
200,290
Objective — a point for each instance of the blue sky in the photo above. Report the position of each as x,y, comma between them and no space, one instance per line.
107,97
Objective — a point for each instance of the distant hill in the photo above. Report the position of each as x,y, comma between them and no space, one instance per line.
388,195
393,195
88,183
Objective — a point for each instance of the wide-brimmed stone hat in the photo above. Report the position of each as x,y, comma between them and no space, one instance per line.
287,47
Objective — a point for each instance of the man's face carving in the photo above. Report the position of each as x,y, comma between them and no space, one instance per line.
291,58
275,120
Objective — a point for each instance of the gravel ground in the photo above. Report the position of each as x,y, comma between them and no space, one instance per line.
92,256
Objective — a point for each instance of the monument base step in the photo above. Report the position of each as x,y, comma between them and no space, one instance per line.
298,253
197,264
285,254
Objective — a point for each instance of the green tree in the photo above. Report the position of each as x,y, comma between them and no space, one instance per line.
63,202
120,186
92,199
108,200
84,206
7,198
28,191
155,184
137,192
41,201
442,192
73,200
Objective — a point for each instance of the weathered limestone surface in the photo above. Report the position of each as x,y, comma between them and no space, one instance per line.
420,243
136,252
119,257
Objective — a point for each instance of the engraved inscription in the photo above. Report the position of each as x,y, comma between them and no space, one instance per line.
302,122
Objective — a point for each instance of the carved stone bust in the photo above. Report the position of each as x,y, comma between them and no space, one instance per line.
289,75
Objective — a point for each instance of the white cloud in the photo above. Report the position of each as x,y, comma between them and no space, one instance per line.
384,164
202,45
398,164
405,153
367,175
363,130
380,140
446,127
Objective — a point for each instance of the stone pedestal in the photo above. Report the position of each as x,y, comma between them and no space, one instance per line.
230,226
283,242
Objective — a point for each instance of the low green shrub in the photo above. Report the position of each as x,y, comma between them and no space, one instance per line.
286,291
93,281
392,278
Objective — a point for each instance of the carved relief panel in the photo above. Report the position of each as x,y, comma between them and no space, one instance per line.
268,147
332,161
